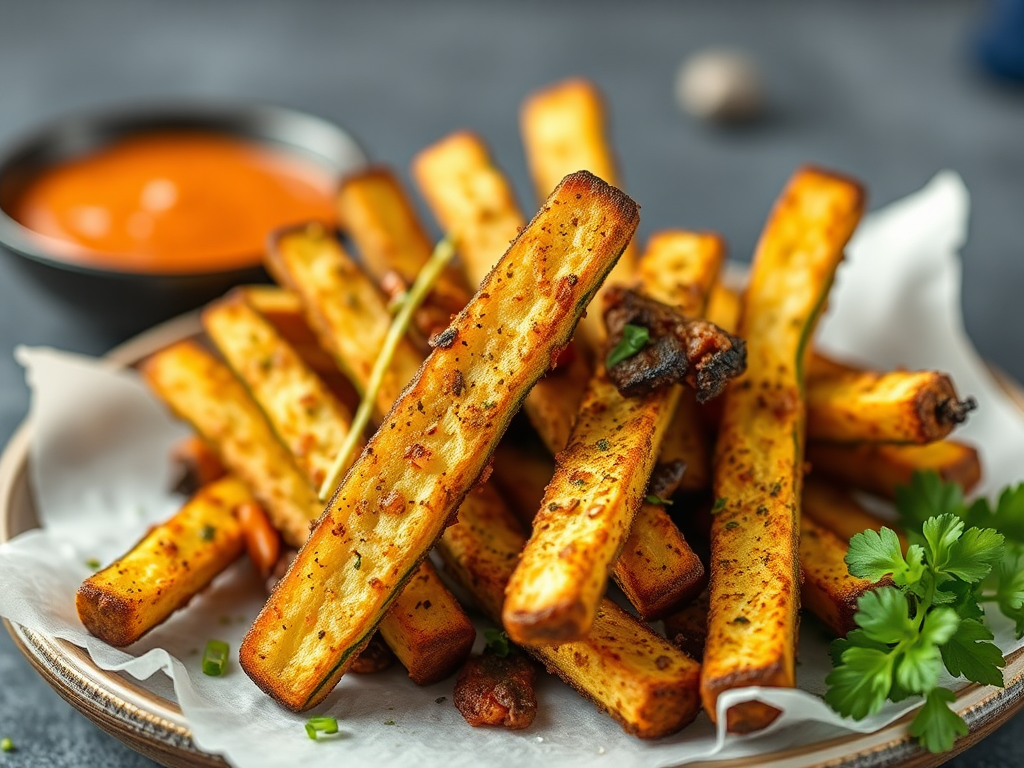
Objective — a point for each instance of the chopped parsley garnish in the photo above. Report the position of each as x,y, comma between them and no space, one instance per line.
497,642
215,658
634,339
931,618
208,532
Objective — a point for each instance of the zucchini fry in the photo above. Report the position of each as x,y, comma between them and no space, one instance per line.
592,503
828,590
284,311
303,413
586,514
724,307
375,212
681,268
426,628
471,197
173,563
622,666
521,475
202,390
897,407
564,129
413,474
759,457
834,507
687,629
342,305
880,469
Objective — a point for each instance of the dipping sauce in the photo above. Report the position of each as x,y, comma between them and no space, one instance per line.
173,202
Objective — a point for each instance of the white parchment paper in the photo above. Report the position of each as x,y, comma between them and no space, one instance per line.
101,474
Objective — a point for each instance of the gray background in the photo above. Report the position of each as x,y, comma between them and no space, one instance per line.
886,91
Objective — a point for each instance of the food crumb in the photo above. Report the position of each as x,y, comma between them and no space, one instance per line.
440,699
600,750
540,739
389,722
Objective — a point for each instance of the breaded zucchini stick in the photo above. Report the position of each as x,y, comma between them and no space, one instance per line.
622,666
586,514
470,197
759,457
173,563
896,407
413,474
202,390
426,627
880,469
342,305
375,212
588,510
564,129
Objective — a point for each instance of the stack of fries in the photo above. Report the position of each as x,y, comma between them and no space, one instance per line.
534,546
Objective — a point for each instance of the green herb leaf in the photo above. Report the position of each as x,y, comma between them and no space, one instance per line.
875,554
936,725
634,338
207,533
883,616
498,642
859,686
927,496
652,499
974,554
359,561
970,654
93,564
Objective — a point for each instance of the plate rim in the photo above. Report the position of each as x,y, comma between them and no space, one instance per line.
157,728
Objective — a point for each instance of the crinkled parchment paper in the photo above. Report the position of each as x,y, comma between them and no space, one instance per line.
100,471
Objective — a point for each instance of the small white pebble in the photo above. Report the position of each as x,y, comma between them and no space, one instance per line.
720,84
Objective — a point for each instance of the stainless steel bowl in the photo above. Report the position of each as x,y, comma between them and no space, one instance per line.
120,297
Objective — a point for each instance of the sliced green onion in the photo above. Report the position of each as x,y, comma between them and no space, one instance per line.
215,658
443,253
634,338
317,725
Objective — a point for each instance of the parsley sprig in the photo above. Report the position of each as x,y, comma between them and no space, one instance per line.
930,617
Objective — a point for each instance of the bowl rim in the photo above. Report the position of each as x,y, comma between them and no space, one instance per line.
316,138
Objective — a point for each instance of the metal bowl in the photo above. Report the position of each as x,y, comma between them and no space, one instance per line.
120,297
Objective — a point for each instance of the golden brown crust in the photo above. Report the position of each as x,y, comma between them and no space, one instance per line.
628,671
491,690
754,616
325,608
564,129
171,564
881,469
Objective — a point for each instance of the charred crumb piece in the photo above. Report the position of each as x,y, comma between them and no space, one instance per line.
663,360
376,657
695,351
715,358
953,411
444,339
497,691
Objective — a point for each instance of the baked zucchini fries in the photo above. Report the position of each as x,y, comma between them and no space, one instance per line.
413,474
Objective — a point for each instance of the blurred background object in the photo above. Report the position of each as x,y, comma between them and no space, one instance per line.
1001,42
721,85
890,92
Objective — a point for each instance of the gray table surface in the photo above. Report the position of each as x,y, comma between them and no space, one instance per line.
884,90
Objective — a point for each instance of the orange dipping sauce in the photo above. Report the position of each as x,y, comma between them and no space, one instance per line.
173,202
